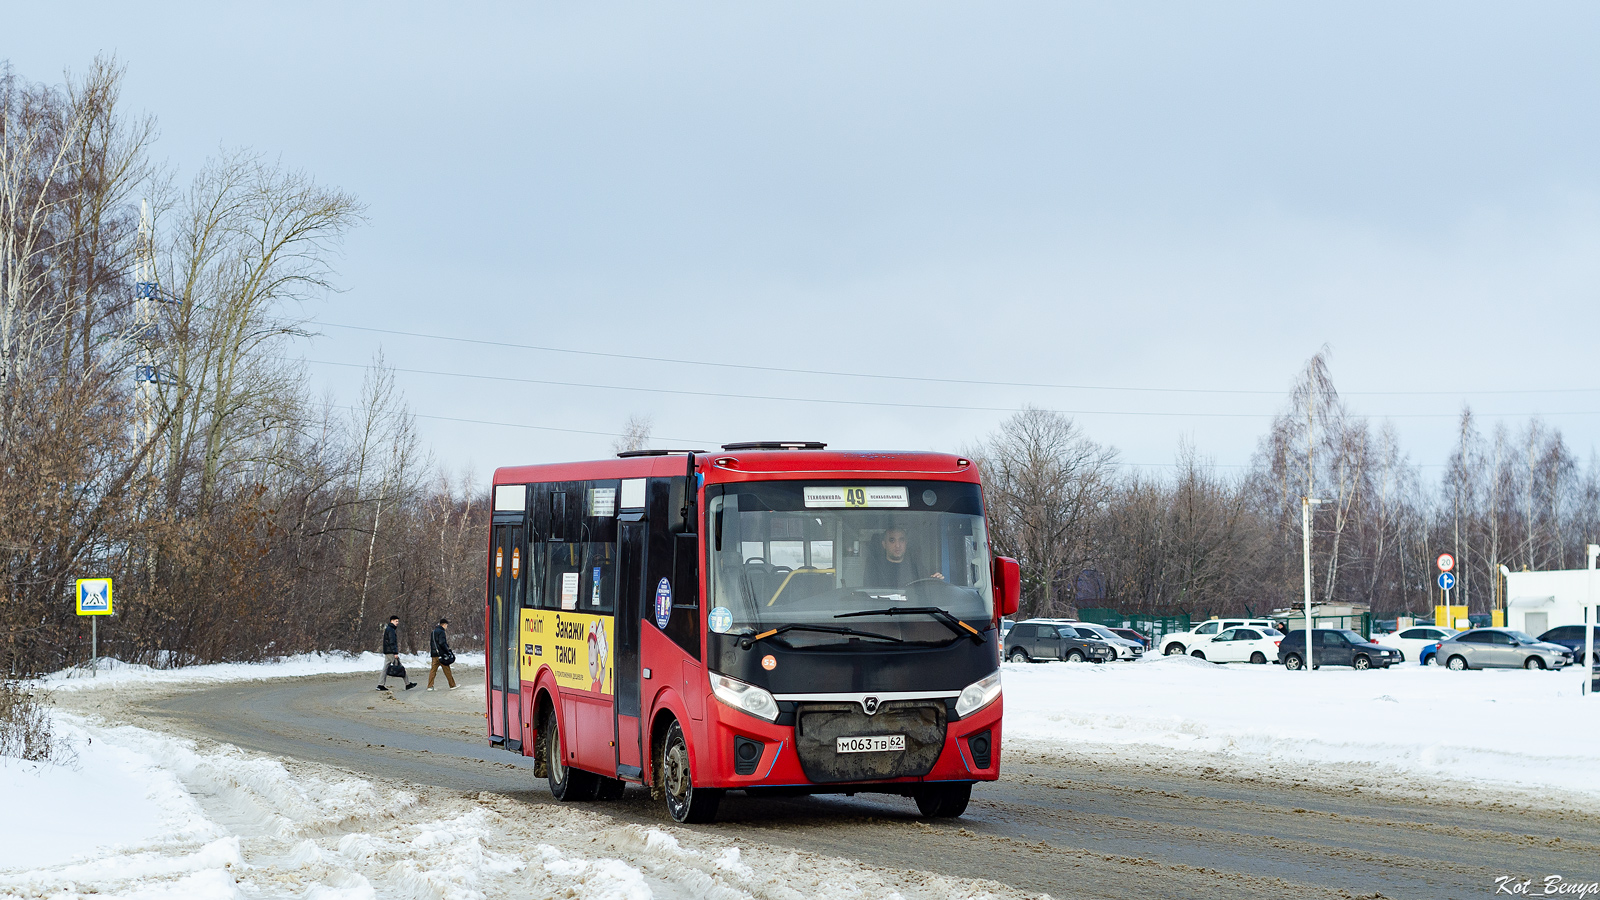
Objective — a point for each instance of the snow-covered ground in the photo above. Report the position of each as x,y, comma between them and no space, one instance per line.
112,673
143,814
1524,731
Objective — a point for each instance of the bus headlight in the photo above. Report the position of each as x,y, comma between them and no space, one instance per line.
978,695
744,697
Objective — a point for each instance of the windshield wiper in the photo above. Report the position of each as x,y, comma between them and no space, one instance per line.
939,613
750,639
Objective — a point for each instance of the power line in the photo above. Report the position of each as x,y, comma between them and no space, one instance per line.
676,440
884,403
768,398
927,379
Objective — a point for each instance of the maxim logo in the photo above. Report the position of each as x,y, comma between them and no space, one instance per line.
870,704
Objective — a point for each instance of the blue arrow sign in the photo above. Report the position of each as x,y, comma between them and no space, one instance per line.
1446,581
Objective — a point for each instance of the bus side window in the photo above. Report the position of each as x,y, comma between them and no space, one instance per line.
538,568
558,516
599,579
563,580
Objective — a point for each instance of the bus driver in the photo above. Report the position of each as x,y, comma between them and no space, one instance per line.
892,567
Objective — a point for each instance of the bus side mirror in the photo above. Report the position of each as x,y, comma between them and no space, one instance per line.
1007,574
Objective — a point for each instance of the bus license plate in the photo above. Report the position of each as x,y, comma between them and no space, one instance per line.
876,743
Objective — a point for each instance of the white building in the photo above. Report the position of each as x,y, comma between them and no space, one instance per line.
1539,601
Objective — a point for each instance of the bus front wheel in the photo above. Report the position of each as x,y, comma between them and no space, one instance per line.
686,803
943,801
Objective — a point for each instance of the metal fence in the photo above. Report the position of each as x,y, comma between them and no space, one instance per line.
1151,625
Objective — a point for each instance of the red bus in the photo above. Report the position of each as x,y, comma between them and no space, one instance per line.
771,617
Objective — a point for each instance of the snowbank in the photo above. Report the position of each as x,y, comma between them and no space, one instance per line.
144,815
1512,728
114,672
104,801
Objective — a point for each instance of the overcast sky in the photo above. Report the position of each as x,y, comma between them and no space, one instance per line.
1177,198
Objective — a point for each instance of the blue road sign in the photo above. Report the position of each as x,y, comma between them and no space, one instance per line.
94,596
1446,581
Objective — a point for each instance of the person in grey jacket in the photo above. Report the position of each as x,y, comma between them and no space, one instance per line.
443,656
391,655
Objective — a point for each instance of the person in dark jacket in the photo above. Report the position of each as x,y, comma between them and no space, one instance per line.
391,655
443,656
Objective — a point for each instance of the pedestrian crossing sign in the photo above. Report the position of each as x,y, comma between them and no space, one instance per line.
94,596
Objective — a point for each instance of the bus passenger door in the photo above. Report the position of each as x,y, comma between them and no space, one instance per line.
505,671
630,737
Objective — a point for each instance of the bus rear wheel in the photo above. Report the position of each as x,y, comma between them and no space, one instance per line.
943,801
686,803
566,784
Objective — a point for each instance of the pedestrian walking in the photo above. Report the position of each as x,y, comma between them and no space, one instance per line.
391,656
443,656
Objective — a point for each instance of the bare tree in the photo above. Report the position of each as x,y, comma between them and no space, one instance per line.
635,434
251,241
1045,482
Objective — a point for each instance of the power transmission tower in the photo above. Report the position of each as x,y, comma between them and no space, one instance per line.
146,293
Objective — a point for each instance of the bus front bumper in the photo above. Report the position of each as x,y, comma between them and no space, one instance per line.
970,751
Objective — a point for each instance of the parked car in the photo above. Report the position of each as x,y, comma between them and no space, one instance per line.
1132,635
1416,643
1570,637
1252,645
1501,648
1335,647
1126,649
1180,642
1043,639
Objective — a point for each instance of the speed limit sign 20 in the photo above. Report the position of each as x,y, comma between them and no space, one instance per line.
1446,562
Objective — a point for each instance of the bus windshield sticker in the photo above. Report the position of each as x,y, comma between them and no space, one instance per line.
594,598
569,590
720,620
863,497
663,604
603,502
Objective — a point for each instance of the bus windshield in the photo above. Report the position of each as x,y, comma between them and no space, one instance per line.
804,553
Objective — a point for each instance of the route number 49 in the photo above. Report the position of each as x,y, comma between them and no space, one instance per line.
855,496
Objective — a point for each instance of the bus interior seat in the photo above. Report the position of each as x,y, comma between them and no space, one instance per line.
852,571
802,583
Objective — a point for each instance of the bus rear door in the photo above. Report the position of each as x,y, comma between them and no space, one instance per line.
507,579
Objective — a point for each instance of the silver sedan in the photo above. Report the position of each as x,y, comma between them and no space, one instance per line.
1503,648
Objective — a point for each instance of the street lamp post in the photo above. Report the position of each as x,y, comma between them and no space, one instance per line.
1305,552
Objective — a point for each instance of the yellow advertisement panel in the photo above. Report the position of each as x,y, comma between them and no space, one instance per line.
576,647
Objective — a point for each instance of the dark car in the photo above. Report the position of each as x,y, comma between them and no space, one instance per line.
1030,641
1335,647
1132,635
1570,637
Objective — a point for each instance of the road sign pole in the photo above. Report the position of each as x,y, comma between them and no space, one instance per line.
94,645
1591,617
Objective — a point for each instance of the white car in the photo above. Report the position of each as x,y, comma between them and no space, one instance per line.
1125,648
1254,644
1411,641
1181,642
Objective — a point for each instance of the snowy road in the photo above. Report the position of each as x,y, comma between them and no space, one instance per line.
1062,821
